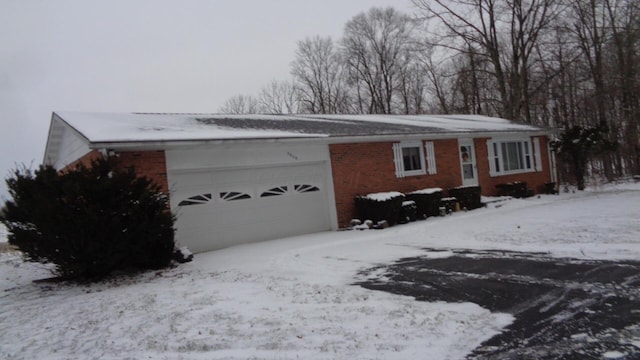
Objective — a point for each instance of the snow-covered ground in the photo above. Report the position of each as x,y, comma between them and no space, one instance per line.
293,299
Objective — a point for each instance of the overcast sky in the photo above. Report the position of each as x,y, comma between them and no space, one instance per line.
145,56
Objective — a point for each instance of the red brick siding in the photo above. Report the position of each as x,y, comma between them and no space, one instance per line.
363,168
151,164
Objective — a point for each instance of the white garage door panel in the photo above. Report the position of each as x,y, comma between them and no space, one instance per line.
218,209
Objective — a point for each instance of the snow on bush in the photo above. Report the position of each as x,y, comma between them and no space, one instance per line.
426,191
383,196
379,207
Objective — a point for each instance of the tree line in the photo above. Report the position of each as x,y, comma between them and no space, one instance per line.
561,63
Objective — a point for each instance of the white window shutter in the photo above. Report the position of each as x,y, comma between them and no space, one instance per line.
397,159
536,153
431,157
492,158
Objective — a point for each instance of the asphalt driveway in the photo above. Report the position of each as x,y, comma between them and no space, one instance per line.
564,308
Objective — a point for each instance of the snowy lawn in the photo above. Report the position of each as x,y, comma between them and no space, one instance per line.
292,298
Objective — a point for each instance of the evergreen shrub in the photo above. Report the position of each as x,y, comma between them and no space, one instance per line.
468,196
380,206
427,201
408,212
89,221
517,189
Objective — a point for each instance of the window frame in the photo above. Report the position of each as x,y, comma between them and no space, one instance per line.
412,162
500,149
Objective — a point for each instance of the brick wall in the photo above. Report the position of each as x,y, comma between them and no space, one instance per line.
151,164
364,168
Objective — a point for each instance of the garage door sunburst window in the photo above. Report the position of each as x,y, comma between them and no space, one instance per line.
305,188
276,191
196,200
234,195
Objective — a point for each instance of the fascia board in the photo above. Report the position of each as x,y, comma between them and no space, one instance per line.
436,136
174,144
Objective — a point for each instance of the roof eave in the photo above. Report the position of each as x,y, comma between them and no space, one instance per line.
133,145
170,144
438,135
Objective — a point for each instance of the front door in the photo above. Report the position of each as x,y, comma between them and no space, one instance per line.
468,163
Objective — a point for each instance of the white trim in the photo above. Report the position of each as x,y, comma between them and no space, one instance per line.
331,198
431,158
397,159
536,154
553,171
491,158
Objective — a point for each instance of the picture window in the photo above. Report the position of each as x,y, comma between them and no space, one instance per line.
510,157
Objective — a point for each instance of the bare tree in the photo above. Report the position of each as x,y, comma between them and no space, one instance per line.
440,90
472,27
240,104
375,46
504,33
279,97
624,24
318,72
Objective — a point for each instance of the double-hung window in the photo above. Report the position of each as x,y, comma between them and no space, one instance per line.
410,158
512,156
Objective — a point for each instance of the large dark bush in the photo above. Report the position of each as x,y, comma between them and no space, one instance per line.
427,201
517,189
408,212
380,206
89,221
468,196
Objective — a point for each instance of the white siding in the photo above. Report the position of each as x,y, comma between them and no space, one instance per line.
64,145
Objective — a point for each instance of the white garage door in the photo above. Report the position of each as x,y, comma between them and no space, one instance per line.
221,208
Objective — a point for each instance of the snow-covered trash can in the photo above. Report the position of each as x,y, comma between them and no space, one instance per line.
380,206
427,201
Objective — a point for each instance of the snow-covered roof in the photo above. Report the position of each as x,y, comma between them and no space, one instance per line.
73,134
138,127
